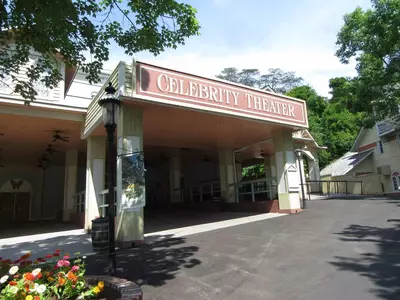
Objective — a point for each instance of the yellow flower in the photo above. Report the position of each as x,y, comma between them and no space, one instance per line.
100,285
50,279
29,297
96,290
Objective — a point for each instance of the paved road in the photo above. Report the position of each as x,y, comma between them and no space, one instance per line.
337,249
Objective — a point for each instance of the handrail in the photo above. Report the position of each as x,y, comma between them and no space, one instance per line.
103,207
337,185
255,189
214,190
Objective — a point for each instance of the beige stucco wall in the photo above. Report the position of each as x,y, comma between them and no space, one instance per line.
369,136
367,165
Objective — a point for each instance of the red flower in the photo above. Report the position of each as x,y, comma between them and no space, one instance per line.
36,298
58,250
48,255
7,261
56,254
41,259
29,276
12,283
39,276
26,256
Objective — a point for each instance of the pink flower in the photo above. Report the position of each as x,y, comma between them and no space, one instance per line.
63,263
66,257
73,287
74,268
60,264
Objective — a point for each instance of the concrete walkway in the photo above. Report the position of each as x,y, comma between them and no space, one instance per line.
72,241
337,249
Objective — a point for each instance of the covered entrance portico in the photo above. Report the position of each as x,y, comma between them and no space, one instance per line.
193,134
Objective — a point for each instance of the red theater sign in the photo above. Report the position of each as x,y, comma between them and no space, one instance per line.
176,88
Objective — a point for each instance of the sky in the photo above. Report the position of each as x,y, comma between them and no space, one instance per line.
294,35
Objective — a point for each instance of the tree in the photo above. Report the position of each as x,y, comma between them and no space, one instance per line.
316,106
340,129
372,37
67,29
247,77
276,80
280,81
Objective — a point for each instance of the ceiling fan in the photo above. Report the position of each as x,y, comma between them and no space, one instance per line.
57,136
262,155
50,150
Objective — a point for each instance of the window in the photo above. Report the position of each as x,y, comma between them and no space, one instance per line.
380,146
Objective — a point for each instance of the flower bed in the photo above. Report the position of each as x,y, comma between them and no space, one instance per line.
54,276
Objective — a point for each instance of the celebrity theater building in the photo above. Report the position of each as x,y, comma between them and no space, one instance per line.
181,142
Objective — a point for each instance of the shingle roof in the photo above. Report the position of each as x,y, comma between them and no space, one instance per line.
345,164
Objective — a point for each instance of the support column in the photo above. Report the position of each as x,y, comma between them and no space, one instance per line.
95,176
130,178
314,173
175,179
226,175
70,183
300,167
286,173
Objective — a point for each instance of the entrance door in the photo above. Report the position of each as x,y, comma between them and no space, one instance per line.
22,201
6,207
15,199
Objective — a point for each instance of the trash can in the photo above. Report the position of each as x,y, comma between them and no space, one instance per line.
100,234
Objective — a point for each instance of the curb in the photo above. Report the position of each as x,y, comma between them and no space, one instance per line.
127,289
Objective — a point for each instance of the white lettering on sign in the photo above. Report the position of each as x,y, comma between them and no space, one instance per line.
172,85
262,104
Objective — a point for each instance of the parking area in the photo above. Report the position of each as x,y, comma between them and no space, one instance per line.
337,249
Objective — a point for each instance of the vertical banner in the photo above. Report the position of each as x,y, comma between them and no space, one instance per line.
133,181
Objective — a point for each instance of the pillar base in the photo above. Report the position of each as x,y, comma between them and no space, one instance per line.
290,211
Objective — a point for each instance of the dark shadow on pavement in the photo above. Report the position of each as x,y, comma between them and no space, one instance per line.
151,264
382,266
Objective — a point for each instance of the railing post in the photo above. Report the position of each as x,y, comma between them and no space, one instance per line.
347,188
329,188
253,198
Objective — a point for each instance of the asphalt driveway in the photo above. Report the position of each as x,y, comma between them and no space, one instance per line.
337,249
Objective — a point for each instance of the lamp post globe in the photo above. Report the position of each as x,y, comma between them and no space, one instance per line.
299,154
110,105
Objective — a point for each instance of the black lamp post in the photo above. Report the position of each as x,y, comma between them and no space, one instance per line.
110,106
299,154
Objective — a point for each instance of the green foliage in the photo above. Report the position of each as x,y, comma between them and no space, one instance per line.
276,80
340,126
330,122
372,37
68,29
253,172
